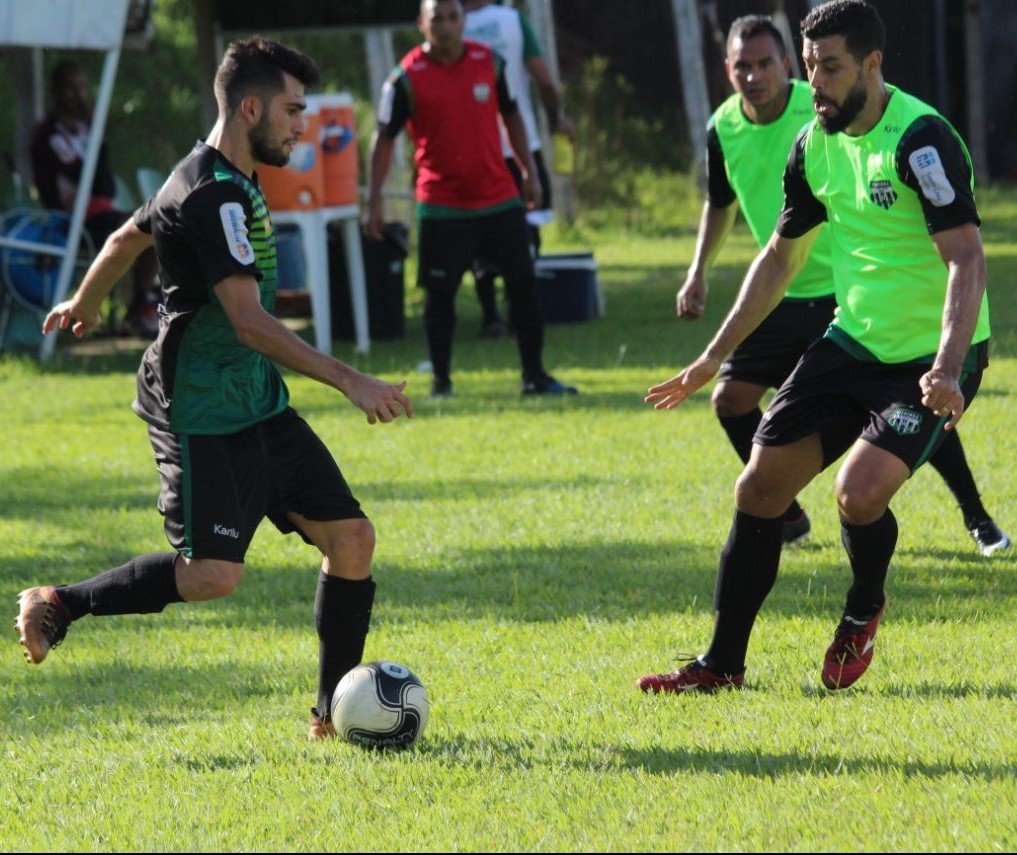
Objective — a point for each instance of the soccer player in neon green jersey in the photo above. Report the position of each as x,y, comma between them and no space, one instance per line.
902,359
748,138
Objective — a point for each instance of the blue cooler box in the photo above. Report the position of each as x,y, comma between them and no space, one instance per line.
567,287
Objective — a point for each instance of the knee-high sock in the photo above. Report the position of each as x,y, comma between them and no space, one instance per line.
869,548
740,430
342,616
440,327
487,298
952,465
145,584
748,569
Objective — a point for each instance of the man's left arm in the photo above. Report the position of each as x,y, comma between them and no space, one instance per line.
933,162
532,194
547,89
81,312
962,253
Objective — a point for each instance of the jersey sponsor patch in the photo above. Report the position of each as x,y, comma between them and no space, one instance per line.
234,227
928,168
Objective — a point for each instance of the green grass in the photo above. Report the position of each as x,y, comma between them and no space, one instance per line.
534,557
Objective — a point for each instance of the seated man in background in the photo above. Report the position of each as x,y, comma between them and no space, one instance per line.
58,153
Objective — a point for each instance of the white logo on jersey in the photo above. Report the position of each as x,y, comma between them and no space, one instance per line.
928,169
234,227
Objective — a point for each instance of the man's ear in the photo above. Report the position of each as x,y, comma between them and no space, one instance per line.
252,109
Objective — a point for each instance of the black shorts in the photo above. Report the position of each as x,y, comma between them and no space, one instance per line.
771,352
449,246
842,399
216,489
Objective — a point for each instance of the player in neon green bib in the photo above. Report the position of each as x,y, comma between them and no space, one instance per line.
879,168
748,138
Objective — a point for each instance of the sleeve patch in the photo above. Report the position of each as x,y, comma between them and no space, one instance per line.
928,169
385,103
234,226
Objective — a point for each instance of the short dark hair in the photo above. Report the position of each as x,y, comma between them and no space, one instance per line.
749,26
257,65
855,20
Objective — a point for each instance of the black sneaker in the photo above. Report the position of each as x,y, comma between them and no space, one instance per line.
796,529
441,388
493,329
988,537
545,384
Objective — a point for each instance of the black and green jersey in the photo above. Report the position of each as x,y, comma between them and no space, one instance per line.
209,222
882,194
745,160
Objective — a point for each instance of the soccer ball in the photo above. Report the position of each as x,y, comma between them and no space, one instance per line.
380,705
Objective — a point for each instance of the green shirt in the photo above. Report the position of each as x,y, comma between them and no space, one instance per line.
882,194
209,222
753,156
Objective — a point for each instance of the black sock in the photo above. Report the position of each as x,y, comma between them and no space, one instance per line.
748,569
342,616
145,584
487,298
869,548
952,465
740,430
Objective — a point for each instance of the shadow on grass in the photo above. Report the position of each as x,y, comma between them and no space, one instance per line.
533,585
470,753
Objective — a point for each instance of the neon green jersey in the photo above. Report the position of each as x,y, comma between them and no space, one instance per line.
890,281
753,158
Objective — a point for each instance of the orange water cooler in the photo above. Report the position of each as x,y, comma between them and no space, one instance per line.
323,167
318,186
337,134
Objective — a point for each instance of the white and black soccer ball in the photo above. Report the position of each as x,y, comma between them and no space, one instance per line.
380,705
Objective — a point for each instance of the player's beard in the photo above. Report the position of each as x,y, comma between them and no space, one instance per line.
262,148
847,110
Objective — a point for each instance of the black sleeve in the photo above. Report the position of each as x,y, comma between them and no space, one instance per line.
506,103
214,222
719,192
394,104
931,161
802,211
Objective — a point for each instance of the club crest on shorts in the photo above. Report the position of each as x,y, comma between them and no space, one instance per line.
905,421
881,193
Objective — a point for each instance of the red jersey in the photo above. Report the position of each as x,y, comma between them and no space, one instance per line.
451,112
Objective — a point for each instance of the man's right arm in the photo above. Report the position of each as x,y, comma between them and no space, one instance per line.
45,166
393,111
715,225
81,312
763,288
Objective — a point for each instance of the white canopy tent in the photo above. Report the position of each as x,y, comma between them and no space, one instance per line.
69,24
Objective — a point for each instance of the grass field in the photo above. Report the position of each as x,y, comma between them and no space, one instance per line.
534,557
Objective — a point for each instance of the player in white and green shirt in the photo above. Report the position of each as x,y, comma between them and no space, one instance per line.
892,181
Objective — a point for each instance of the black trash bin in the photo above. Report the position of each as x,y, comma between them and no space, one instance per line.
384,267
